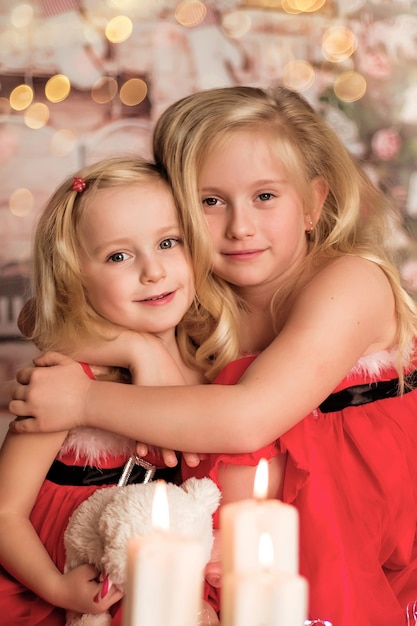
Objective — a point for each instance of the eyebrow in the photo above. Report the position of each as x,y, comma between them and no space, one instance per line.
257,183
172,229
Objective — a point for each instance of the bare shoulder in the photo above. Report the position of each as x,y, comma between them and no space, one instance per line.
351,263
349,275
351,295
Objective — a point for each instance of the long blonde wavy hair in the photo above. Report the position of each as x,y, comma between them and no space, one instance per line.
62,317
353,218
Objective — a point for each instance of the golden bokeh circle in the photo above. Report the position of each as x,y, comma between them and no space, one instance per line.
350,86
21,97
133,92
298,75
57,88
119,29
190,13
21,202
104,90
63,142
36,116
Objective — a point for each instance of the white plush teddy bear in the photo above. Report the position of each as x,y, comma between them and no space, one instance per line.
100,528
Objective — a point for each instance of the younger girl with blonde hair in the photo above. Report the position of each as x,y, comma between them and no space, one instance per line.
108,255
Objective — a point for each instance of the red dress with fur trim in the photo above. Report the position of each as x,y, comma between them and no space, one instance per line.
53,508
351,472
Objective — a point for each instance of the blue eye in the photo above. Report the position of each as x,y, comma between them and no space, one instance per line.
168,243
118,257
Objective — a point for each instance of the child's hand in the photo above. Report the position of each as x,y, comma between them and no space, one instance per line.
121,348
169,457
40,392
207,615
213,570
192,459
79,590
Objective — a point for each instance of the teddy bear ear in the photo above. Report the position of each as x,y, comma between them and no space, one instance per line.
204,490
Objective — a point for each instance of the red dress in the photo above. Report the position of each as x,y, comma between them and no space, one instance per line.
54,506
351,472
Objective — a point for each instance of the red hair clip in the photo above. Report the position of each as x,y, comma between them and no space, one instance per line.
78,184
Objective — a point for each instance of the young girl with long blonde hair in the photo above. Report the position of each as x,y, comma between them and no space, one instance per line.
109,254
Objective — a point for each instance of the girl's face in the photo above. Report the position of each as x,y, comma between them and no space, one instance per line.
134,265
255,215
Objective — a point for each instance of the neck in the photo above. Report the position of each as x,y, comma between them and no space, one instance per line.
189,374
257,330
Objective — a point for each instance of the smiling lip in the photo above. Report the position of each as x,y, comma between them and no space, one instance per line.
243,255
163,298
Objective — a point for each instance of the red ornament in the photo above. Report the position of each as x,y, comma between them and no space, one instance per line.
78,184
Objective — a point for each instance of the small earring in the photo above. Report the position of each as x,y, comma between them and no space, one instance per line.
310,229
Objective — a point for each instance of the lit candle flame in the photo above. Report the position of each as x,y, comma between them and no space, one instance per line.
160,510
266,551
260,487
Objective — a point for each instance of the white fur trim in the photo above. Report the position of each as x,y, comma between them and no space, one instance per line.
375,363
79,619
93,444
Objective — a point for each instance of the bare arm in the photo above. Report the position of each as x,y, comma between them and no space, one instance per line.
150,362
148,358
24,462
347,311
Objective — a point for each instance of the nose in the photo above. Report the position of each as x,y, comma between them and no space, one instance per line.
240,224
152,269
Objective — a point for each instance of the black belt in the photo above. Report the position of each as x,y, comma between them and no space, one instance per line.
136,470
364,394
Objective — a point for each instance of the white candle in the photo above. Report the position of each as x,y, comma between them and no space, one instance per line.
243,522
164,574
264,597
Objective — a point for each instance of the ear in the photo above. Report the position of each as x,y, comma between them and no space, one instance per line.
319,190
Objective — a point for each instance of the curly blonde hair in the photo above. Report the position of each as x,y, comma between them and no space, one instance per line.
62,315
352,221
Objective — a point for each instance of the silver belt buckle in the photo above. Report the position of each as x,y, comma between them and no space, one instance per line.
128,468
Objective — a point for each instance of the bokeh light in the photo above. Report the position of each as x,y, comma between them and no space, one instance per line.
289,7
350,86
298,75
63,142
119,29
104,90
21,97
57,88
21,15
190,13
133,91
21,202
338,44
36,116
236,24
308,6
